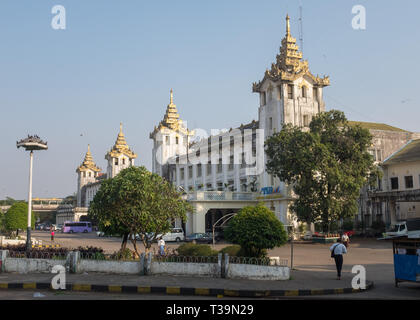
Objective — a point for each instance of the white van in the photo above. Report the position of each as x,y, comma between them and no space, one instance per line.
176,234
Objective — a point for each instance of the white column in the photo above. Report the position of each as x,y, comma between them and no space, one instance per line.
31,157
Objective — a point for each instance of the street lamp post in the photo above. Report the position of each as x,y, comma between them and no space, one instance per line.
31,143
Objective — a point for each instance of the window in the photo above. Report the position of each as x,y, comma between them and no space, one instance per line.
116,162
231,185
219,166
306,120
231,163
181,171
123,160
408,182
394,183
263,99
177,140
243,185
303,92
243,164
167,140
279,92
190,172
209,169
209,186
199,170
270,123
315,94
290,91
219,186
373,154
379,154
90,174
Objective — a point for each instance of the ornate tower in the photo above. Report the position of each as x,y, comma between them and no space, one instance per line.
170,138
289,92
120,156
87,172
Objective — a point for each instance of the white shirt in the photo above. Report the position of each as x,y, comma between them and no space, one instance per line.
161,242
339,248
345,237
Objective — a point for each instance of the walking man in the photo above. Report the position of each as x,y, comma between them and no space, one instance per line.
337,251
345,239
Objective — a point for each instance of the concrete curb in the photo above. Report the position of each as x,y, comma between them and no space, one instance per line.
185,290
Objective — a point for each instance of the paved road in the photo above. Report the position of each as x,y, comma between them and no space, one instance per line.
309,260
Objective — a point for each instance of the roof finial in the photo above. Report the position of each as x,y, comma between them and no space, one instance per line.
120,127
287,24
172,97
88,147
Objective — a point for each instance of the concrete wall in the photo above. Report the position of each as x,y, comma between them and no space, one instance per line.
24,265
112,267
257,272
186,269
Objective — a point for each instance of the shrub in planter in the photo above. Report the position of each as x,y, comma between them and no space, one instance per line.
256,229
192,249
233,251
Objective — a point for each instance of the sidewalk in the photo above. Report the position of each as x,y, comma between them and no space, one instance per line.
302,283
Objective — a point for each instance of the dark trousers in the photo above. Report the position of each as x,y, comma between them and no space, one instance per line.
338,263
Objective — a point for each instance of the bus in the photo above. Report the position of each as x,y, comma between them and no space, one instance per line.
73,227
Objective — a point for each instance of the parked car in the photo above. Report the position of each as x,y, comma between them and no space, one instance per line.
199,238
59,227
399,229
176,234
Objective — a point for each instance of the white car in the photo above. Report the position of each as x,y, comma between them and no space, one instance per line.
176,234
399,229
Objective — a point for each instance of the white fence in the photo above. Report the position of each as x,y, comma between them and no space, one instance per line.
233,268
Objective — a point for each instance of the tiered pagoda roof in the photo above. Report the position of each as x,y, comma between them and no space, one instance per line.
289,65
88,163
120,147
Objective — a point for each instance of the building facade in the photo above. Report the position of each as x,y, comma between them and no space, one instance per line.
397,197
230,166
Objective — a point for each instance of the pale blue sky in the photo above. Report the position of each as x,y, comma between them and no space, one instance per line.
117,61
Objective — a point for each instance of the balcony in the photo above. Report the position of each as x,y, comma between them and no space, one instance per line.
221,196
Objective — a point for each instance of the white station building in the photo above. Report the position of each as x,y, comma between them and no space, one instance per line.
226,172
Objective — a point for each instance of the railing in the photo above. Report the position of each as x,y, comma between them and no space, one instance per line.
34,254
259,261
221,196
186,259
100,256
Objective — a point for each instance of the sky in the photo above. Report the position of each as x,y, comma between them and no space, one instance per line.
116,61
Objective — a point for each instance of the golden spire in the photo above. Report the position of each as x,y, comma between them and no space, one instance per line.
121,146
88,163
171,118
289,64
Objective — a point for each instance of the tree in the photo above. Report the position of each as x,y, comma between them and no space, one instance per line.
327,166
17,217
137,202
255,229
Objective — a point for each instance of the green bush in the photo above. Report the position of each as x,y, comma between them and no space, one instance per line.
233,251
256,229
123,254
17,217
192,249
